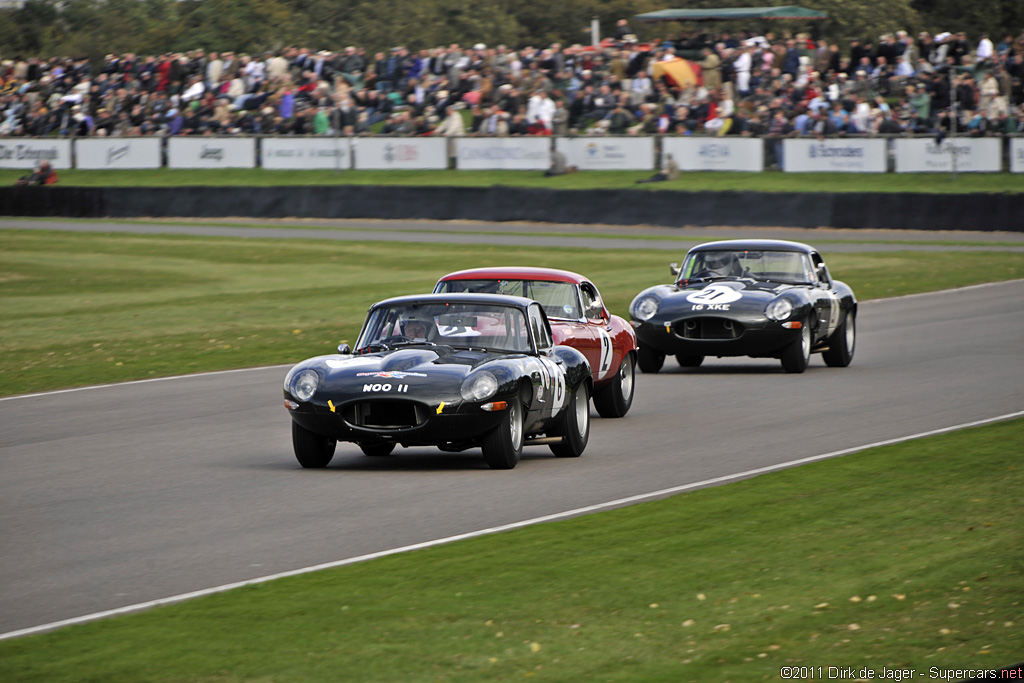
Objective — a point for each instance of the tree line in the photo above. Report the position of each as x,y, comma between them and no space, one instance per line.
94,28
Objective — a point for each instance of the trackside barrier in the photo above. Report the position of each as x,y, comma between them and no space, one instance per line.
667,207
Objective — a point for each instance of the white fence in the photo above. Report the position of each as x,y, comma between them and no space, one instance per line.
618,153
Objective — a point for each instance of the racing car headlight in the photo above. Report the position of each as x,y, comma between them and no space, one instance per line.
305,384
645,308
479,386
779,310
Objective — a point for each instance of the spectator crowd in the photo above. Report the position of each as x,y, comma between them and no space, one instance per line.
760,85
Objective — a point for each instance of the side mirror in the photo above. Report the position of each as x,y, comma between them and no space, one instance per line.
344,349
674,267
595,310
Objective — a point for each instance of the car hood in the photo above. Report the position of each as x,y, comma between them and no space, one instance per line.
723,297
433,366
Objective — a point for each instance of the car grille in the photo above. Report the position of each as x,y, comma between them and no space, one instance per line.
385,414
708,328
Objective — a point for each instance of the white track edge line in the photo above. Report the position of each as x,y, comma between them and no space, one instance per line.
285,365
142,381
498,529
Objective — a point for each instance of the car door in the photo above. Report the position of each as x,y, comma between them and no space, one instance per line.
547,373
601,352
826,302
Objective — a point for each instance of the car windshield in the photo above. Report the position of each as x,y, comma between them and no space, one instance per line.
775,266
491,327
558,299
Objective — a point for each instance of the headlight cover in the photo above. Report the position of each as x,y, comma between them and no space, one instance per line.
304,385
780,309
479,386
645,308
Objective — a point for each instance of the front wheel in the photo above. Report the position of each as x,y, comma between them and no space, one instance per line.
615,399
689,361
797,355
840,351
574,426
377,449
650,361
311,449
503,445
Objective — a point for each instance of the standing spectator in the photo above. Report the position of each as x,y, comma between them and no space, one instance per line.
984,53
791,59
540,112
711,69
741,66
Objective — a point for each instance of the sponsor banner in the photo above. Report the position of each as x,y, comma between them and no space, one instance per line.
210,152
923,155
28,152
297,153
608,154
100,153
521,154
1016,155
715,154
835,155
402,153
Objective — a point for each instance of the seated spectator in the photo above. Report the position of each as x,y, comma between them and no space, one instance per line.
42,175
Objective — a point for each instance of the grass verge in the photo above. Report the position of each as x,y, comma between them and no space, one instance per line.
838,563
81,309
926,183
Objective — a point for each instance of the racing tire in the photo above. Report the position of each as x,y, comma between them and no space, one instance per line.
689,361
649,361
379,449
840,351
797,355
574,427
503,445
615,399
312,450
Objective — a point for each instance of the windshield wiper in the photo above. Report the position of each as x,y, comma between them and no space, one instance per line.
412,342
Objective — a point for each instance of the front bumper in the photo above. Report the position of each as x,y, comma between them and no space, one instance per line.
715,336
404,421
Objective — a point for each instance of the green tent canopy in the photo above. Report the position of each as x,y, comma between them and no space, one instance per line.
727,13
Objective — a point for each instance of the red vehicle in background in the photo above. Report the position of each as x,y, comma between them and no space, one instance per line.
578,318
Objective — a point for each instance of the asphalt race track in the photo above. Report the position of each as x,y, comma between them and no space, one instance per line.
119,495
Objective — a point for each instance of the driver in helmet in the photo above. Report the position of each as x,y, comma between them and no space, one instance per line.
416,328
722,263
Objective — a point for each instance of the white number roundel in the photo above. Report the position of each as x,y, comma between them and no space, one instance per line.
715,294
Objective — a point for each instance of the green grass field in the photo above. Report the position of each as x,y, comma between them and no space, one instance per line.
81,309
904,557
763,182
